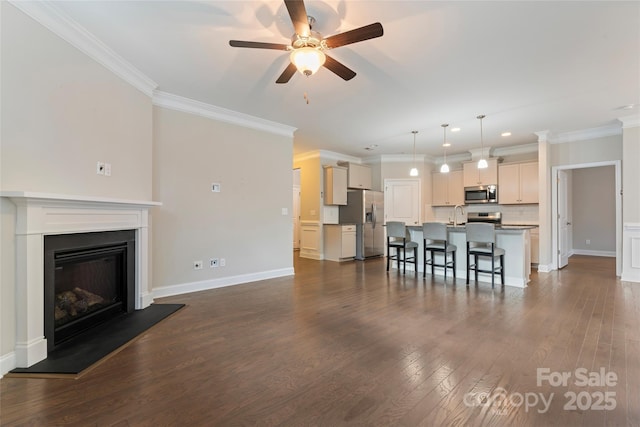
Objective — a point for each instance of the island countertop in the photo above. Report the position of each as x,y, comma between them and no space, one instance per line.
501,227
514,239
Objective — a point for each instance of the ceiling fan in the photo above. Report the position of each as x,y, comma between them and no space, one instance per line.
308,47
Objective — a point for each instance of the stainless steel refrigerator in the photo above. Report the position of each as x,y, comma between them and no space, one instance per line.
365,209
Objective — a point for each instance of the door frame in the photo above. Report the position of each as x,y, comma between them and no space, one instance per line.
564,230
554,208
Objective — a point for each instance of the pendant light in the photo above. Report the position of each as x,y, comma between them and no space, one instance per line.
482,163
414,170
445,167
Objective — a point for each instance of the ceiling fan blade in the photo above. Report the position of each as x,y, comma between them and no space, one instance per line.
298,15
258,45
287,73
367,32
338,68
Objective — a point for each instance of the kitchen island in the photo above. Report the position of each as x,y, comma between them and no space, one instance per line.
514,239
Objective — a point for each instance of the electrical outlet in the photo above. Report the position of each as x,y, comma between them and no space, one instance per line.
107,169
197,265
588,242
223,262
100,168
213,262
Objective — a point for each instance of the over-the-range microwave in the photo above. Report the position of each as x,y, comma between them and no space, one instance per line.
481,194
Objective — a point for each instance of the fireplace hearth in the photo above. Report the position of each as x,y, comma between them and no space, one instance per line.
89,278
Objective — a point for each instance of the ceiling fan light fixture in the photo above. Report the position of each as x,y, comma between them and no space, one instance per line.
308,59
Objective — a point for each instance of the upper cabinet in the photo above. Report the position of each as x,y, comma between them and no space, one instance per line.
474,176
335,185
518,183
358,176
448,189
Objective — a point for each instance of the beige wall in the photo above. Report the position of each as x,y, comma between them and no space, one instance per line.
61,113
589,151
243,223
311,185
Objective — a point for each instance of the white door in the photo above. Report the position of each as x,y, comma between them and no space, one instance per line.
563,221
402,200
296,217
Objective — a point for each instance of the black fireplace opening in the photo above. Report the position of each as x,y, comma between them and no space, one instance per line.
89,278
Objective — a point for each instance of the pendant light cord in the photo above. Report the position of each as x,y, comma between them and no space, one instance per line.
480,117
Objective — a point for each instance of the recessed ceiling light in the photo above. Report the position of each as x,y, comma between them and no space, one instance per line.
455,129
505,134
446,144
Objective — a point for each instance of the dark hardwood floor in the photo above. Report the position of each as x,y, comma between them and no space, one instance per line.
349,344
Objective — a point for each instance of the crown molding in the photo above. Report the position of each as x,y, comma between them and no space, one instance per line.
332,155
307,155
403,158
515,150
585,134
543,136
630,121
187,105
52,18
452,158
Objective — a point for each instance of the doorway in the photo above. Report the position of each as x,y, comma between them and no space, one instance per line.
601,195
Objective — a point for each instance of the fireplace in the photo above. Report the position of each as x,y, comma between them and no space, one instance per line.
89,278
40,216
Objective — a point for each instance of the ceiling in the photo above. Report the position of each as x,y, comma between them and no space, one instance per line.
528,66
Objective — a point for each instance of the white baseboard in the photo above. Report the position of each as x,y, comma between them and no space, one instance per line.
7,363
185,288
610,254
545,268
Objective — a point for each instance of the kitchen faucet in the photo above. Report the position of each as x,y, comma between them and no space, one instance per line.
455,211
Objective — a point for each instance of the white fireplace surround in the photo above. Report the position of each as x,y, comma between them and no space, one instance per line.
41,214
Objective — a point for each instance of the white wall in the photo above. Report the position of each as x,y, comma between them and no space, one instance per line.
243,223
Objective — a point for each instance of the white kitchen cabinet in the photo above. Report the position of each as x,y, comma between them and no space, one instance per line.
518,183
335,185
447,188
474,176
339,242
358,176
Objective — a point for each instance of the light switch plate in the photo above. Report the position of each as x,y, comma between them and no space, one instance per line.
216,187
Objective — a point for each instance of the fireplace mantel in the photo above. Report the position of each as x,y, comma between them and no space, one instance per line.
40,214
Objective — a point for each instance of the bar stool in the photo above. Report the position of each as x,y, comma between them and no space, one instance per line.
397,237
481,238
436,240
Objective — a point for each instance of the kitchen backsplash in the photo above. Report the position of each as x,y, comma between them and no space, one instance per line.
511,214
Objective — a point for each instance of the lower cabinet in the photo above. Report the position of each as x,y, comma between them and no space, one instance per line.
535,246
339,242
